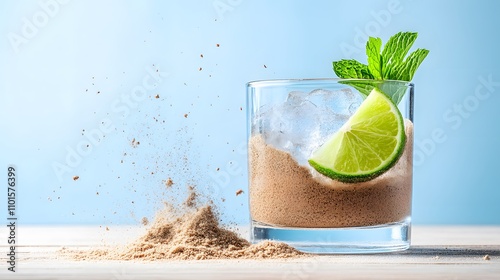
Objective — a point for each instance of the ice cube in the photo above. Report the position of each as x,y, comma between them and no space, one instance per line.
305,121
295,98
339,101
303,124
269,123
354,107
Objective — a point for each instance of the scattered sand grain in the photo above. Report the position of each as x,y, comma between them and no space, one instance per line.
195,235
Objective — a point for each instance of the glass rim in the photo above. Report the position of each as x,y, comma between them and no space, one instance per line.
278,82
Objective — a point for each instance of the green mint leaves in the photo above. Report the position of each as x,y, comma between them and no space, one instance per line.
391,63
352,69
396,66
375,60
388,64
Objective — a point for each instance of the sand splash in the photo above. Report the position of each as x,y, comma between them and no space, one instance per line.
195,235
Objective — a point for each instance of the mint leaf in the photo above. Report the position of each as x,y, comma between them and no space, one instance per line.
374,58
406,70
390,64
351,69
395,51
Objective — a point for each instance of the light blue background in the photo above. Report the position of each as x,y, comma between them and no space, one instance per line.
49,95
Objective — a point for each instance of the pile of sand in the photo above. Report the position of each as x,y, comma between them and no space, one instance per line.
195,235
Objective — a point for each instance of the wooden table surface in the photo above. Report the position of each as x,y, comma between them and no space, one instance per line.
437,252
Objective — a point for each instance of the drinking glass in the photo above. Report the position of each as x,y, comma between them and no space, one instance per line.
290,201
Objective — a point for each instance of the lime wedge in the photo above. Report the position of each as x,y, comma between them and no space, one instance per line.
367,145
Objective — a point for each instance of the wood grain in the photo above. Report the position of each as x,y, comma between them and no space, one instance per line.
438,252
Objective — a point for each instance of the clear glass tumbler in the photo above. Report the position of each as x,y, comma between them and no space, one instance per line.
293,203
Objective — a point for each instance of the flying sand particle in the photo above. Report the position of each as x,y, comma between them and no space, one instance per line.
135,143
169,182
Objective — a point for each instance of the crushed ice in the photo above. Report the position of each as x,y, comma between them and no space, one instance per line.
305,120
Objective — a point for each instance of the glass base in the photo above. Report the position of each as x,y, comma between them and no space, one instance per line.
385,238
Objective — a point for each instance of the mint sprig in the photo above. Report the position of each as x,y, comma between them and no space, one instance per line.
352,69
390,63
394,53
